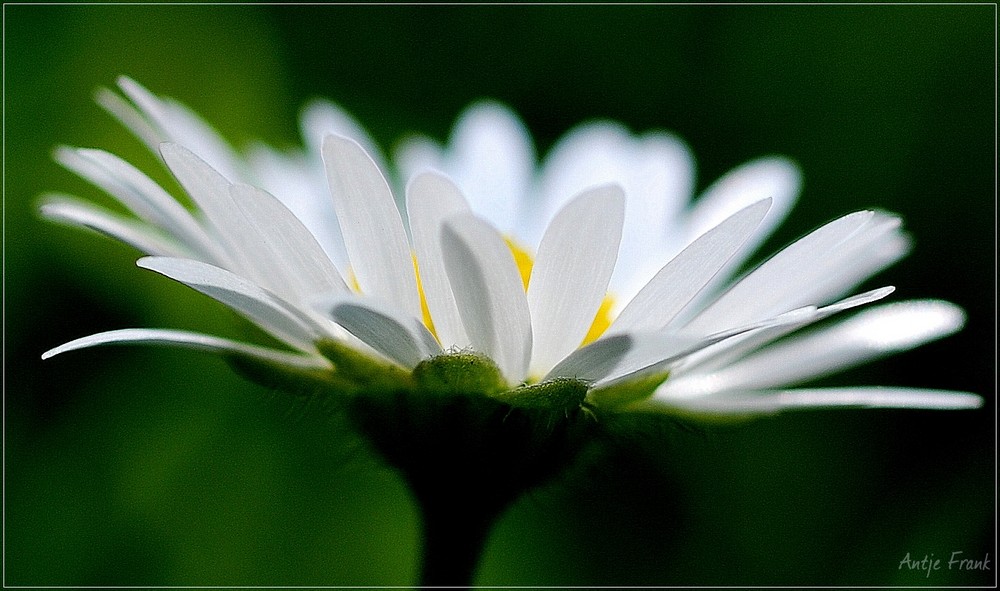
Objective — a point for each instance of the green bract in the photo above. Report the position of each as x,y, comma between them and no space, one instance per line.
620,394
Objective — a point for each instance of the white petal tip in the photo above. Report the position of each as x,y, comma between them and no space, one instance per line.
335,141
124,81
102,94
903,325
147,263
171,148
771,402
64,154
429,180
191,340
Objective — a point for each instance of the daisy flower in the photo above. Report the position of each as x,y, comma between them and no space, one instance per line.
594,272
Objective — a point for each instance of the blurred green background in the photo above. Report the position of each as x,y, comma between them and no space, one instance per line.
138,466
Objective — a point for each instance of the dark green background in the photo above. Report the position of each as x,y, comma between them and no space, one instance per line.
137,466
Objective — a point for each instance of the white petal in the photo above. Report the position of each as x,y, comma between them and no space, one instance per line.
321,118
854,301
141,195
626,356
489,293
151,202
302,188
657,172
210,192
179,124
867,335
877,244
695,375
192,340
870,261
622,354
303,265
265,309
372,228
81,213
148,197
680,280
571,273
244,228
664,351
430,199
774,177
491,158
402,339
659,182
772,401
778,284
127,115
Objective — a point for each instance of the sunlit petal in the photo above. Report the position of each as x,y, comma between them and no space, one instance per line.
265,309
178,124
430,199
773,178
723,354
680,280
300,260
491,157
76,212
772,401
776,285
139,194
871,333
489,293
191,340
371,225
401,339
571,273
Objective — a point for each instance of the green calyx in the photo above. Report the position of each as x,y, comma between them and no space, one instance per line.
621,394
363,373
468,374
462,374
352,374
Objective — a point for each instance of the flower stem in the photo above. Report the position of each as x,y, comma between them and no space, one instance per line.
454,535
466,459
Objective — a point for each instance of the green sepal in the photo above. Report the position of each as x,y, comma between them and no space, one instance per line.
621,394
290,379
560,395
694,416
364,373
465,374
